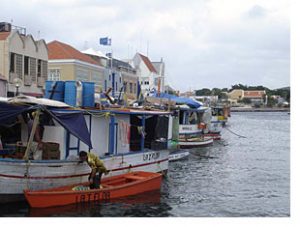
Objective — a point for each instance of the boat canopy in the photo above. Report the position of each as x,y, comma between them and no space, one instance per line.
72,120
179,100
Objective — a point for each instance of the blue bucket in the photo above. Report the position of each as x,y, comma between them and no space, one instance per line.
56,89
70,93
88,94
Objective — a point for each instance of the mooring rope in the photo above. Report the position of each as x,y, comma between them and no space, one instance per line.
240,136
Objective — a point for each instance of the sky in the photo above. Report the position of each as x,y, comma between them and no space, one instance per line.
204,43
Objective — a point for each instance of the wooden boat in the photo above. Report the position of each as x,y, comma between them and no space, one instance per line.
113,187
195,142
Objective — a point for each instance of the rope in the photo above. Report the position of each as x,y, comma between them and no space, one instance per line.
240,136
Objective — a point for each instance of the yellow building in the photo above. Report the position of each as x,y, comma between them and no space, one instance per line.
235,95
67,63
23,61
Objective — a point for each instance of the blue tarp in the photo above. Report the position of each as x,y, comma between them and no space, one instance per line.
73,121
179,100
9,112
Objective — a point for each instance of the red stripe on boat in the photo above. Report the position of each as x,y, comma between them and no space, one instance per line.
80,175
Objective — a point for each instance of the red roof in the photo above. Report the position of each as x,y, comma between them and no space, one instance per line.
4,35
59,50
254,94
148,63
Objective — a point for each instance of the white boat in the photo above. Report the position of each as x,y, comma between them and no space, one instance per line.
195,142
125,139
178,155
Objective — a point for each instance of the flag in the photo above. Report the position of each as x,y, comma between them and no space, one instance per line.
105,41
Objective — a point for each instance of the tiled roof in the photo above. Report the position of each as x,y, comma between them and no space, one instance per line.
58,50
148,63
254,94
4,35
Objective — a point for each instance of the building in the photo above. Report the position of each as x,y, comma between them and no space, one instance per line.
119,76
149,77
23,61
3,86
68,63
160,69
256,97
237,95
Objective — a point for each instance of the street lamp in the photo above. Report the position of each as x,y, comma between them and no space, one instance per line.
18,83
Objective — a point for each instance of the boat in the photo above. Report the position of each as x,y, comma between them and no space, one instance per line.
112,188
221,113
125,139
178,155
195,142
195,126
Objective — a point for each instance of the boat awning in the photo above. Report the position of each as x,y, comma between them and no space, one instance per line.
179,100
73,121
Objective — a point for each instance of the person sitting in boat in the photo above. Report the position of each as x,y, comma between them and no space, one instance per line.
97,167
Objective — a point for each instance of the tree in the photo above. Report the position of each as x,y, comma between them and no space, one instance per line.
203,92
246,100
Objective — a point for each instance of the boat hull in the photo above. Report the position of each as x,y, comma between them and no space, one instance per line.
17,175
178,155
196,143
113,188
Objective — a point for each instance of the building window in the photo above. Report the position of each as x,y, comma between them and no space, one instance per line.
19,65
54,74
12,63
26,65
105,85
134,88
120,80
39,68
130,87
32,69
44,69
109,77
82,75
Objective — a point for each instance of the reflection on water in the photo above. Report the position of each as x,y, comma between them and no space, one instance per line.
235,177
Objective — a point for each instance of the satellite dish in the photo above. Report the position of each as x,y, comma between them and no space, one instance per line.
17,82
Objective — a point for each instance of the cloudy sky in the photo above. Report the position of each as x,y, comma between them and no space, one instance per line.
204,43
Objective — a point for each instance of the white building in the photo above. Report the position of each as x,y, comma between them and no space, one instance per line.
22,60
149,78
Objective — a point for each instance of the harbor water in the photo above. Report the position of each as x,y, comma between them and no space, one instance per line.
246,174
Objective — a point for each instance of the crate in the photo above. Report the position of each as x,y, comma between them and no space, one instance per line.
51,151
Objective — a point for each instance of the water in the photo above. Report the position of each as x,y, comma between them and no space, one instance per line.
236,177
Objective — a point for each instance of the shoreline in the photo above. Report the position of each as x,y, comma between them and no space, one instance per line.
263,109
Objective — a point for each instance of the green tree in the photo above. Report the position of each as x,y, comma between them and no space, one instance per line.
203,92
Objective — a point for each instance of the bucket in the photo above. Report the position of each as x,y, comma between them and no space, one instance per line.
70,93
55,90
88,94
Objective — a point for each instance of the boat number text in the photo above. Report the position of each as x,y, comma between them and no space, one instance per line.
151,156
96,197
